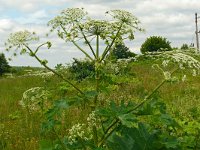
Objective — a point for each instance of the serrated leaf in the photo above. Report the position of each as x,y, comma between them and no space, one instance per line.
127,120
133,139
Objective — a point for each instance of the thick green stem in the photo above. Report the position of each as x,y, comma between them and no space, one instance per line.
87,42
110,46
86,54
97,87
97,71
97,48
107,133
39,47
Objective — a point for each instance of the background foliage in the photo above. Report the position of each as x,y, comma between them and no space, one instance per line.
155,43
4,67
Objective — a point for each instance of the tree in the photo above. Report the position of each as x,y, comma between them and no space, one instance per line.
155,43
184,47
81,69
120,51
4,67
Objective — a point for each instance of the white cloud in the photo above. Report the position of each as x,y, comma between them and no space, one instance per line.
6,25
173,19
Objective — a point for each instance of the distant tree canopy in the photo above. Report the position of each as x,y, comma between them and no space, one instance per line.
120,51
155,43
184,47
4,67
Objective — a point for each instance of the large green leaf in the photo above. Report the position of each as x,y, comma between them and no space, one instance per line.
132,139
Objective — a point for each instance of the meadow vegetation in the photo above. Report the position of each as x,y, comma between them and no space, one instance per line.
146,102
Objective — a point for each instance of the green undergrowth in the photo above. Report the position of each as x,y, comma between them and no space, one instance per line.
21,130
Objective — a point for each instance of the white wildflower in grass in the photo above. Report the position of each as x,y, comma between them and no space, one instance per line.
178,58
92,120
33,99
79,132
167,75
165,63
43,74
184,78
83,132
194,72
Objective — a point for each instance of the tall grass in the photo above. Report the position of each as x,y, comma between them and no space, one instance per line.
18,133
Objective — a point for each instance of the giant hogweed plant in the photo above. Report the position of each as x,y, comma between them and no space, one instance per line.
121,125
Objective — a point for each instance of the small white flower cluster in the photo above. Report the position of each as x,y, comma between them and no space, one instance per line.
79,132
92,120
74,14
184,78
20,38
186,61
83,131
41,74
167,75
124,16
67,23
183,59
72,23
68,16
33,98
165,63
118,67
97,27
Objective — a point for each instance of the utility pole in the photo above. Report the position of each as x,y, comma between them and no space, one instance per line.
197,32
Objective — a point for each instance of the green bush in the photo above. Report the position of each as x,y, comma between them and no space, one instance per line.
81,69
155,43
120,51
4,67
184,47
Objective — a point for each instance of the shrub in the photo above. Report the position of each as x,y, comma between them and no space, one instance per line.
184,47
120,51
81,69
155,43
4,67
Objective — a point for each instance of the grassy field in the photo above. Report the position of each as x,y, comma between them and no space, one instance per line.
18,131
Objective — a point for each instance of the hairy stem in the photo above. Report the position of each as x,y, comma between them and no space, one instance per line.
39,47
86,54
110,46
97,87
97,71
83,51
107,133
87,42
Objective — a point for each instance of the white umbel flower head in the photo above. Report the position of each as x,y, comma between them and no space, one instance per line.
33,98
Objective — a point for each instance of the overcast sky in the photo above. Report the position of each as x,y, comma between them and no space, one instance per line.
173,19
